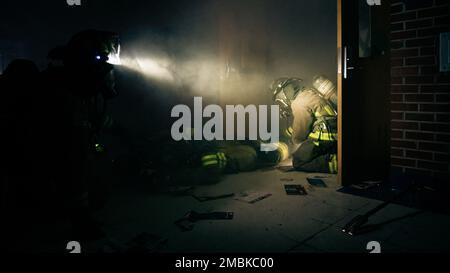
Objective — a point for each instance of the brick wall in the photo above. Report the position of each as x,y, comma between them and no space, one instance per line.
420,94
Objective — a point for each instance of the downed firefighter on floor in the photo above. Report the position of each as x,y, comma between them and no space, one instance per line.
203,162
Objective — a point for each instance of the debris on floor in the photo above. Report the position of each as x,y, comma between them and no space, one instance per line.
205,198
366,185
316,182
295,190
252,197
186,223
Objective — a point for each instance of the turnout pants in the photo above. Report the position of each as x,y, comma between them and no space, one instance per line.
314,156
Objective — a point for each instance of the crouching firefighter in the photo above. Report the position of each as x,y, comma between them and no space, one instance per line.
314,122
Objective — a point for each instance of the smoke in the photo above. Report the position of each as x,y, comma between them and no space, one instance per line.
154,68
230,51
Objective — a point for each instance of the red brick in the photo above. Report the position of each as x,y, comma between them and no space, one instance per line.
397,115
404,125
404,107
432,12
420,61
443,117
419,154
419,136
419,117
416,172
396,134
396,26
419,98
444,20
418,4
404,88
435,127
410,52
397,97
396,80
432,165
443,98
435,108
431,31
402,71
397,62
442,157
421,42
431,146
396,44
443,138
435,88
403,144
419,79
403,35
419,24
443,78
403,162
428,70
403,16
397,152
429,50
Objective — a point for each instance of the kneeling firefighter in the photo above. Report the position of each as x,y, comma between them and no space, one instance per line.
314,121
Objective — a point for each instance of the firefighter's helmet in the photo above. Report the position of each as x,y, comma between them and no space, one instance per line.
89,47
284,91
89,57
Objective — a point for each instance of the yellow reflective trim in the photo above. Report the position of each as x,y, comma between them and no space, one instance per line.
329,110
323,136
221,156
208,157
335,163
332,164
289,131
211,162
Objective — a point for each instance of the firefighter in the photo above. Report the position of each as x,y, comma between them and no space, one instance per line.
205,162
77,85
314,122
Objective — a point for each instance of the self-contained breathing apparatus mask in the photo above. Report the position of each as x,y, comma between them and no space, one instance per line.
284,91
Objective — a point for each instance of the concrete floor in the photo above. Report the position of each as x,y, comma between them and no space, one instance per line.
279,223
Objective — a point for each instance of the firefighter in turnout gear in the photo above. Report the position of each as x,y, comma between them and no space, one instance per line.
314,122
77,85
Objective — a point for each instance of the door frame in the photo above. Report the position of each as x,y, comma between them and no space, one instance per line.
339,89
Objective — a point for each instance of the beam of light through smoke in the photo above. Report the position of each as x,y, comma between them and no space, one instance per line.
150,67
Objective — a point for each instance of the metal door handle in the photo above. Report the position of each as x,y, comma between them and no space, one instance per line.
346,67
